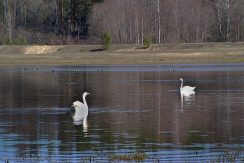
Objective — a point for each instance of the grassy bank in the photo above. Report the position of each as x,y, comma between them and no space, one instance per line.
121,54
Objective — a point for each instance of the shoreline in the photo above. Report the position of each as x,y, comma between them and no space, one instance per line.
129,68
75,55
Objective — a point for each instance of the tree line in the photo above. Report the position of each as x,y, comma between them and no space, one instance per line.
45,21
128,21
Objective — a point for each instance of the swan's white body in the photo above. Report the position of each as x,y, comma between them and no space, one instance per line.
81,110
187,90
187,94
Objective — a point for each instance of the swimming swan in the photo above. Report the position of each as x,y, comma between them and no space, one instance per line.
81,109
186,89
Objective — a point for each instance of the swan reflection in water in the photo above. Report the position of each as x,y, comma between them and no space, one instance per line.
79,112
186,98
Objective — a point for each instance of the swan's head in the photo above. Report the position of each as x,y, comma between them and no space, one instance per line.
85,93
181,79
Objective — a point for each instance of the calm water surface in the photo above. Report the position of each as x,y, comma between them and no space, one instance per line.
135,109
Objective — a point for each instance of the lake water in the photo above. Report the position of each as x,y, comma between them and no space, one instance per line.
132,109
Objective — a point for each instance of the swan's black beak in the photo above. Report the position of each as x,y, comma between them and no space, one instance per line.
72,108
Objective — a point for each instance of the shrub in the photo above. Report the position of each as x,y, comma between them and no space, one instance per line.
107,40
146,42
7,41
22,41
19,41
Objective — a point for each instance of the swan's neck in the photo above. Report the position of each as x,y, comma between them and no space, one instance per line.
181,84
84,100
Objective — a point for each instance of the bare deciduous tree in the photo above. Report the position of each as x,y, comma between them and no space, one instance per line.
128,21
7,16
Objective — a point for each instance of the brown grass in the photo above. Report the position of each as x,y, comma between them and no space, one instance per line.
121,54
129,157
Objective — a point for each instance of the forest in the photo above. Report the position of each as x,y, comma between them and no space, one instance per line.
55,22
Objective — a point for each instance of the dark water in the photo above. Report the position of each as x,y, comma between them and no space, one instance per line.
131,110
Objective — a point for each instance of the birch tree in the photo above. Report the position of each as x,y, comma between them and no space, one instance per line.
7,16
128,21
159,22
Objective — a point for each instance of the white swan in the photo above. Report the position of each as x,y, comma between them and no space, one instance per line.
186,89
81,110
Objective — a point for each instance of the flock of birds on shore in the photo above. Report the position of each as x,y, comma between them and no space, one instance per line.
22,69
80,109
